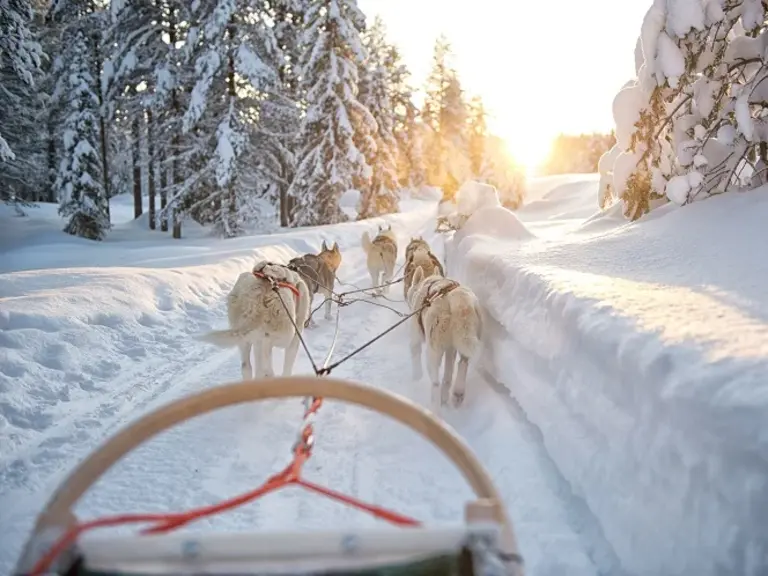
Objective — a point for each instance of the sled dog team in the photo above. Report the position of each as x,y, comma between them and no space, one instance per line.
270,306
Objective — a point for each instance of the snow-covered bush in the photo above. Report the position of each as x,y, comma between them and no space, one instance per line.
471,197
693,122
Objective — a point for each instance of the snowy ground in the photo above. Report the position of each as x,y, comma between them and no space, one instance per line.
640,351
620,405
93,335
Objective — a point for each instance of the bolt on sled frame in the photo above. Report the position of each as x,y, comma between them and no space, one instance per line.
484,545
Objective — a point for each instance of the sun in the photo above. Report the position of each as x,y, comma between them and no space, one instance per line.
528,148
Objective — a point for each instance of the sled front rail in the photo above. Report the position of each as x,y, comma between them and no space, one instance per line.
391,552
481,514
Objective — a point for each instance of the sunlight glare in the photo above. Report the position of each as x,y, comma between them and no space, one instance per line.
527,147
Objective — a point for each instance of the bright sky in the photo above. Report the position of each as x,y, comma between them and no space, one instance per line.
542,67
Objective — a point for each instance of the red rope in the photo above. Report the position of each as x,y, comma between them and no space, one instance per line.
162,523
280,283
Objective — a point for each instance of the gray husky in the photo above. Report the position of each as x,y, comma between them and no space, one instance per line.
319,272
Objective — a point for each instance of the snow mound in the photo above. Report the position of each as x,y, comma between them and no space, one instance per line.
641,358
496,222
472,196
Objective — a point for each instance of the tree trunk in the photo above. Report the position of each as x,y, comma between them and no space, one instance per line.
51,157
103,137
138,207
231,205
164,183
151,170
176,107
283,207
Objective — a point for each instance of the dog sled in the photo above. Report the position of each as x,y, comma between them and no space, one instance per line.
484,544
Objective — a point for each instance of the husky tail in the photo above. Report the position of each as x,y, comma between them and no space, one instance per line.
367,244
225,338
467,325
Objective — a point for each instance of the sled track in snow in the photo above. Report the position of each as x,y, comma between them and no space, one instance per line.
600,550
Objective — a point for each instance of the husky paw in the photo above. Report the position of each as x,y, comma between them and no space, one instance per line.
458,399
328,317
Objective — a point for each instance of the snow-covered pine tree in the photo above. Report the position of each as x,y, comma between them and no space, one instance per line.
87,20
22,105
380,196
146,38
80,177
445,112
236,56
692,122
478,133
453,132
410,163
18,51
280,114
329,160
364,138
436,87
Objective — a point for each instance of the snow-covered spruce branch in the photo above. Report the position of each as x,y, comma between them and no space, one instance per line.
689,125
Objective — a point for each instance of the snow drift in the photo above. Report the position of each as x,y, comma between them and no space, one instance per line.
640,353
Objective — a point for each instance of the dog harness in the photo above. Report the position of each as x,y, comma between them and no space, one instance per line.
431,297
280,283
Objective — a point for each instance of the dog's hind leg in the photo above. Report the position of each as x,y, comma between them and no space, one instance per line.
445,390
257,361
327,295
433,369
459,387
374,276
245,361
266,358
289,359
310,321
416,352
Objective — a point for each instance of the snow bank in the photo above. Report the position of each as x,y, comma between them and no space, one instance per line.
642,356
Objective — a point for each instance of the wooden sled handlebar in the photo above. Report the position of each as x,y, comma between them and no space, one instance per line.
489,506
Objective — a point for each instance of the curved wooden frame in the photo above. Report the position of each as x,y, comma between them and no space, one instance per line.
488,507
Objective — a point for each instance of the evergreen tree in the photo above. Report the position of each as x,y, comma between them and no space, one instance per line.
329,160
82,24
381,195
280,117
236,56
478,133
445,113
145,36
20,57
406,129
80,178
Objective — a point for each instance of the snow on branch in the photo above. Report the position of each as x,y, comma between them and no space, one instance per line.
693,122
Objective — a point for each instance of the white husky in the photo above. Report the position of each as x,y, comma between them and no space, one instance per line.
381,255
450,325
258,319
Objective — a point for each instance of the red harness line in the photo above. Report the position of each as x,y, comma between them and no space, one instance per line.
280,283
290,475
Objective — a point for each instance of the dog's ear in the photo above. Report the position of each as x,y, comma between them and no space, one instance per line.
324,248
335,246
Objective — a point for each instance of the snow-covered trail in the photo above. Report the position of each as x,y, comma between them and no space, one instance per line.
357,452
